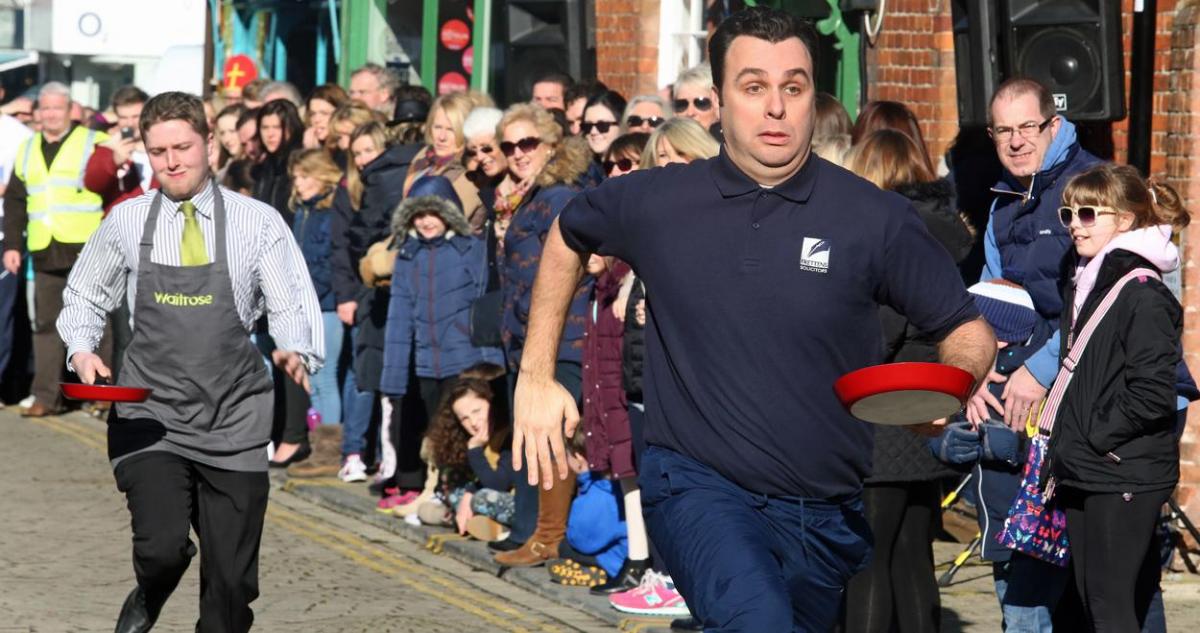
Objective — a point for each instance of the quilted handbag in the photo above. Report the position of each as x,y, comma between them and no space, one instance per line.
1035,525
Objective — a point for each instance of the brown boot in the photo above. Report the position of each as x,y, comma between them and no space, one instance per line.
326,458
553,507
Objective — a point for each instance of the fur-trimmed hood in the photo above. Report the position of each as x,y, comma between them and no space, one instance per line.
570,161
434,195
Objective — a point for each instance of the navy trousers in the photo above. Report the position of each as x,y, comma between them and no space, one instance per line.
749,562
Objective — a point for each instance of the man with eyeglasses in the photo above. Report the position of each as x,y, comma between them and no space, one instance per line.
1024,244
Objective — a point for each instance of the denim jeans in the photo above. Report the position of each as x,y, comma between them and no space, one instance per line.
9,287
356,409
1028,590
326,398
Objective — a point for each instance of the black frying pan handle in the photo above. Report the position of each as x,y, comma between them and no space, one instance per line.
102,380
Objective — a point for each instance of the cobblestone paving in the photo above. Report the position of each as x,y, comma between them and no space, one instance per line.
65,561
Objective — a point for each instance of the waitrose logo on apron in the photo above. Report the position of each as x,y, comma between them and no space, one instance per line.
181,300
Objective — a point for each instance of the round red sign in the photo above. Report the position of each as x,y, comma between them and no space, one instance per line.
456,35
451,82
239,71
468,60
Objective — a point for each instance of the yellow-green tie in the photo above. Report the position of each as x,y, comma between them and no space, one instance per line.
191,247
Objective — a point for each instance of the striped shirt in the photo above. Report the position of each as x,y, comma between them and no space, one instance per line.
265,265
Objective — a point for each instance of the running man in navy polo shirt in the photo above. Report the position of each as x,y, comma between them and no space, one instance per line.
764,270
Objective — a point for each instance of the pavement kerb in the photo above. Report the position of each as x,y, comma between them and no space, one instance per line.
331,494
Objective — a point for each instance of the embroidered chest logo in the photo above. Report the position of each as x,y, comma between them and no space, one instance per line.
814,255
181,300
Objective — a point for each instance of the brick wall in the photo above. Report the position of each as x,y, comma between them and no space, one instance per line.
913,62
627,45
1180,105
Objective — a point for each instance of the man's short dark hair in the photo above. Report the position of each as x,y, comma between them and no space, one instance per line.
585,90
128,95
1018,86
174,106
555,77
763,23
248,115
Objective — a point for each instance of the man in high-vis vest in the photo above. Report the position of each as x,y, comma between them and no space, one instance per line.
49,213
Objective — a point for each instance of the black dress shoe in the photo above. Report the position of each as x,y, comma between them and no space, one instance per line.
687,624
135,615
628,578
300,455
507,545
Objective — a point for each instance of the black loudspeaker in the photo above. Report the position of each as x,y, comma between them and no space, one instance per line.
1073,47
544,36
976,60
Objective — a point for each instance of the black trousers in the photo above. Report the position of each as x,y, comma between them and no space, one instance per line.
166,495
898,591
1115,554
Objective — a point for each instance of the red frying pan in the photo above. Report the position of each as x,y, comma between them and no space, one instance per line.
904,393
103,392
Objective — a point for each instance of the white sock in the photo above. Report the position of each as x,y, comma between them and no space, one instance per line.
639,543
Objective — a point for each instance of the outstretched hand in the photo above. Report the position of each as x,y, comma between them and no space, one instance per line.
545,413
291,364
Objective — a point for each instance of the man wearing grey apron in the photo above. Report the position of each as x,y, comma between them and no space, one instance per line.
199,265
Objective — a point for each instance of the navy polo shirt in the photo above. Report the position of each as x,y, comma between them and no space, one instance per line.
758,300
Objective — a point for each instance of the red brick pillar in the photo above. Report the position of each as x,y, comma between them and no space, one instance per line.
913,62
1180,107
627,45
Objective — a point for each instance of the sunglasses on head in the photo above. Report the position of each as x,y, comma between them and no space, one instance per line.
1087,214
637,121
527,144
601,126
624,164
482,149
703,104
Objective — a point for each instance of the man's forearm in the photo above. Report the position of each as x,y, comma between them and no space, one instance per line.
558,276
972,347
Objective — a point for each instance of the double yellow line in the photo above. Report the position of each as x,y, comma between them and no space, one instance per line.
486,607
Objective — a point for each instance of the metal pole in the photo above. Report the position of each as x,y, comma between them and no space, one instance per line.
429,46
1141,98
481,41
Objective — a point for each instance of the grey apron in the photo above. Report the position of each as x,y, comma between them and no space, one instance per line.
212,391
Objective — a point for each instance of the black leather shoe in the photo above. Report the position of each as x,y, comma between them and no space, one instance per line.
507,545
628,578
300,455
135,615
687,624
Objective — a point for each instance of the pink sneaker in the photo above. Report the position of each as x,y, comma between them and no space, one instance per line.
388,503
655,595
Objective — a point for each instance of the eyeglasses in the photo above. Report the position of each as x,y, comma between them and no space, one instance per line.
483,149
1028,130
703,104
527,144
1086,214
601,126
624,164
637,121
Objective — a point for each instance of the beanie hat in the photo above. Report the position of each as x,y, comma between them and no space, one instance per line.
1007,307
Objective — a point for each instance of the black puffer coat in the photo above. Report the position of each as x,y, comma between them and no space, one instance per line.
1122,396
383,189
273,184
901,455
633,346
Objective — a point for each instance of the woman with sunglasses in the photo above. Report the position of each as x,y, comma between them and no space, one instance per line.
1114,449
692,97
442,155
485,163
600,126
542,167
900,497
644,113
679,140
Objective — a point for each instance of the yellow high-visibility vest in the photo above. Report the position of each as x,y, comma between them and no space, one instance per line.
58,205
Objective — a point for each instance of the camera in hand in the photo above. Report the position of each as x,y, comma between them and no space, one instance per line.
126,132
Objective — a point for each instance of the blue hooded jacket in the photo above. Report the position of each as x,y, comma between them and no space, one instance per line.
434,282
595,525
1025,242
